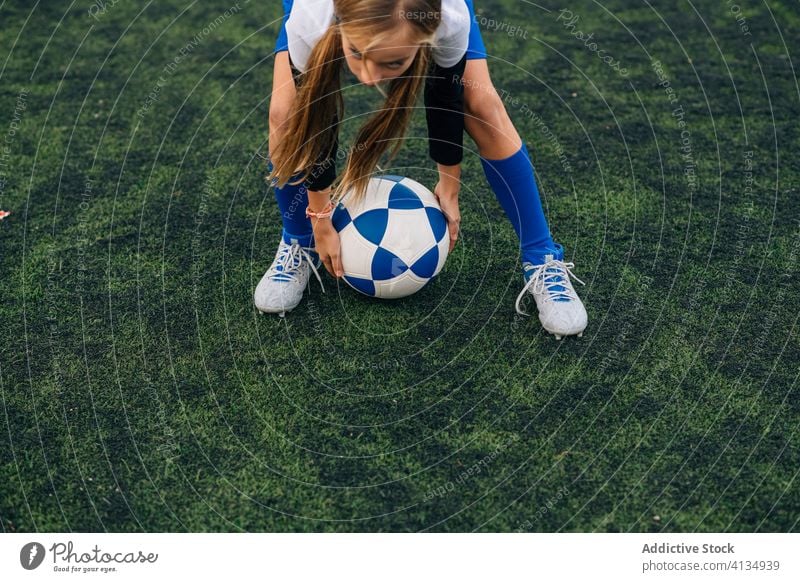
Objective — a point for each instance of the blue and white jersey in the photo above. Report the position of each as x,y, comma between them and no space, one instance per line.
309,19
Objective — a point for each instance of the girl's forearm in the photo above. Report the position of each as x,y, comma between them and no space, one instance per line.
318,200
450,175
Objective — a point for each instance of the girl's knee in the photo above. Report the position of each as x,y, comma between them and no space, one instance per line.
485,106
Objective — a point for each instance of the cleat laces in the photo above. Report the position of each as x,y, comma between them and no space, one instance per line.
550,278
290,258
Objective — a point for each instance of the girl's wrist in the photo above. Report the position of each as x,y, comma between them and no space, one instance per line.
325,213
321,223
320,208
449,172
450,177
319,200
321,226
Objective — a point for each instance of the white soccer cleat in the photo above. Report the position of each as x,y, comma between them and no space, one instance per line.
560,309
281,288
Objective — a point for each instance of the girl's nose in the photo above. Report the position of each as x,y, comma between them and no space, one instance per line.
371,74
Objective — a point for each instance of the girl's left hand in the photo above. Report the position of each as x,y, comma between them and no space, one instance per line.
447,193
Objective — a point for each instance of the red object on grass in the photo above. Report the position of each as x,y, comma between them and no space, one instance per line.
3,214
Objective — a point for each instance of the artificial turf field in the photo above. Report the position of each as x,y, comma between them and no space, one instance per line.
141,391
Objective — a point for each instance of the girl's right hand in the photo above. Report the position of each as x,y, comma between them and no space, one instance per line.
326,240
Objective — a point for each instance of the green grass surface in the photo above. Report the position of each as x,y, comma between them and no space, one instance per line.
142,392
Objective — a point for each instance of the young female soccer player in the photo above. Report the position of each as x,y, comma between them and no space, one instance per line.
400,45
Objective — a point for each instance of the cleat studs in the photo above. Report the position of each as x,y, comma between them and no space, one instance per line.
282,314
580,334
558,337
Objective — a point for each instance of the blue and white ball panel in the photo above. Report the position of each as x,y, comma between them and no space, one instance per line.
372,224
341,217
425,196
401,197
444,248
357,252
408,234
438,222
366,286
402,286
386,265
377,196
427,265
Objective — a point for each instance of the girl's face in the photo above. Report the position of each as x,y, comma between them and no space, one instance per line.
386,60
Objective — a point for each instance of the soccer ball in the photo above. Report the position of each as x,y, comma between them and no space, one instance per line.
394,241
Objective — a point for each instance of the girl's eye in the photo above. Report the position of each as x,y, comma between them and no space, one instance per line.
355,53
394,65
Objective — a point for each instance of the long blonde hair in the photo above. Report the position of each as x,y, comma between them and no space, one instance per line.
308,136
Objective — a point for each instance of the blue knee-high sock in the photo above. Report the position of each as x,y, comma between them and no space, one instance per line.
514,184
292,202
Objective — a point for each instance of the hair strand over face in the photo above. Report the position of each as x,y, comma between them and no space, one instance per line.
309,136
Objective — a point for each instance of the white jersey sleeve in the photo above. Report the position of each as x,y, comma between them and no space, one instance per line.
309,19
307,22
452,36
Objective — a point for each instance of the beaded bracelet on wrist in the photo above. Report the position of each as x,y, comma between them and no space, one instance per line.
326,212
